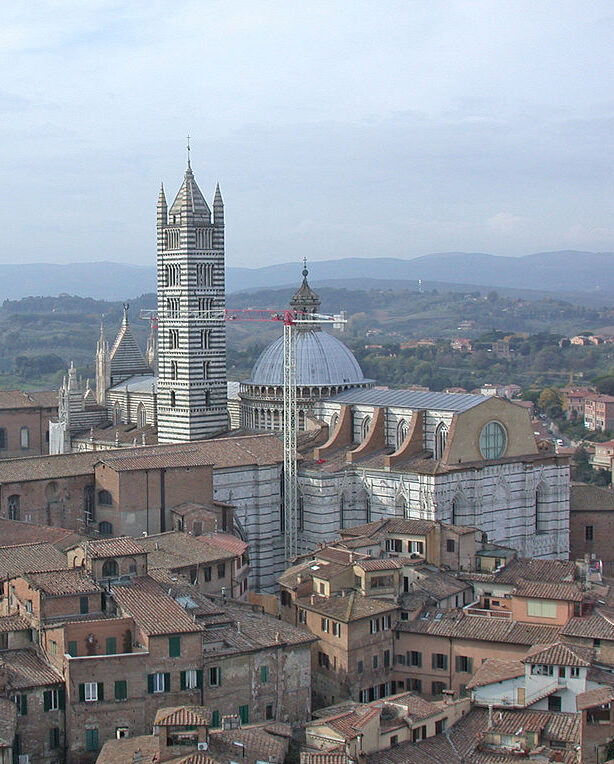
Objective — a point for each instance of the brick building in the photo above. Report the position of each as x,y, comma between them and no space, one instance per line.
591,524
24,422
599,412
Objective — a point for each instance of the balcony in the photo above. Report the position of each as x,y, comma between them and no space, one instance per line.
473,609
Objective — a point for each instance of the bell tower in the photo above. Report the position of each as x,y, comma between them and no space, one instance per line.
191,303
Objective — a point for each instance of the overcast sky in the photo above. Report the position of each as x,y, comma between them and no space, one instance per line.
335,128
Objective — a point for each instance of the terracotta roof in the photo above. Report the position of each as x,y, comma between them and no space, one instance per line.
26,668
13,623
176,549
188,458
496,670
598,696
335,554
123,751
595,626
548,591
327,570
60,582
408,527
374,563
560,654
545,571
413,705
19,399
456,623
235,451
562,727
122,546
438,584
347,608
14,532
588,498
259,743
8,722
16,560
152,609
289,578
230,543
349,724
183,716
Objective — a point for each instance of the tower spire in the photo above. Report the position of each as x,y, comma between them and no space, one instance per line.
188,150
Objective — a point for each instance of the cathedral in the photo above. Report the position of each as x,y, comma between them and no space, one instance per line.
365,452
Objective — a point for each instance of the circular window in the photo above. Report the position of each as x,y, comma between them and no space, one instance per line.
493,440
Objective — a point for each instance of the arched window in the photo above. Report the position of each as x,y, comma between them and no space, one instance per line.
117,413
173,399
24,437
401,433
105,528
141,415
205,338
441,437
173,339
333,424
493,440
365,426
206,369
400,506
174,370
104,497
51,491
110,569
541,510
14,502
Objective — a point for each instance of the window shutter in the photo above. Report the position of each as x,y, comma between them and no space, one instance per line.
47,699
434,660
100,690
215,719
182,679
470,665
199,678
167,682
62,698
444,664
81,693
72,649
24,705
419,660
150,683
458,663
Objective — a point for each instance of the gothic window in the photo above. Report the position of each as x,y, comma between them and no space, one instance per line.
365,426
205,306
333,424
172,307
141,415
541,510
117,413
172,275
207,398
206,365
400,506
203,238
110,569
173,339
401,433
3,437
88,503
104,497
174,370
24,437
14,502
173,399
205,338
172,237
441,437
204,275
105,528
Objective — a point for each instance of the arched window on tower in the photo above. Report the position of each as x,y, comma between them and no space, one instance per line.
173,339
205,338
365,426
441,437
173,399
174,370
401,433
206,369
141,415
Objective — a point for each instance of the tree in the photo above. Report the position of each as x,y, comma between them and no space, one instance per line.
551,401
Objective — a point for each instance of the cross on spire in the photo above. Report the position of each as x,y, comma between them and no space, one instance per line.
188,149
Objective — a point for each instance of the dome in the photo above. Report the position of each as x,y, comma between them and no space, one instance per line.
321,360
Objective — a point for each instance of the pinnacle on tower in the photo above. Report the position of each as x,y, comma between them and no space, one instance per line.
305,300
218,207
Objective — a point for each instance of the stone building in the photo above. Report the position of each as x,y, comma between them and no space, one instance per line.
24,422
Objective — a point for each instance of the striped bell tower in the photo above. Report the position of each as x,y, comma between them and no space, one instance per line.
191,329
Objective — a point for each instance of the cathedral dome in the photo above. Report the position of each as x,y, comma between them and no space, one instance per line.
321,360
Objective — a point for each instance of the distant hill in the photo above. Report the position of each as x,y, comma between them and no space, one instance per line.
566,273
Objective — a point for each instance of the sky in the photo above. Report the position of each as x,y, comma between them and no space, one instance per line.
354,128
